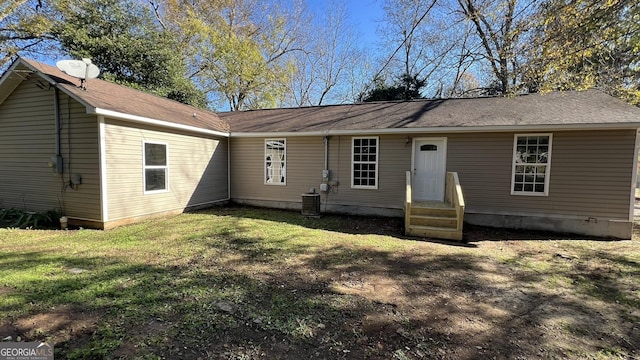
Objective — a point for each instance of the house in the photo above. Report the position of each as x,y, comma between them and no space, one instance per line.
560,161
104,156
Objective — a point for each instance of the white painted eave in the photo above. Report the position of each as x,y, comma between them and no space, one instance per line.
8,72
442,130
7,78
149,121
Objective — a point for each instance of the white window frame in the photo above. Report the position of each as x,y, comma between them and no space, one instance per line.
514,163
353,162
146,167
283,167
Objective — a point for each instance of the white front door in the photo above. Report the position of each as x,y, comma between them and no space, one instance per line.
429,169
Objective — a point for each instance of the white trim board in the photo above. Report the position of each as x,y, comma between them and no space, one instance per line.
377,162
547,173
104,200
634,178
146,167
148,121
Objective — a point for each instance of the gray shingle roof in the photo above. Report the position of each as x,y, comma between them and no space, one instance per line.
573,108
557,109
109,96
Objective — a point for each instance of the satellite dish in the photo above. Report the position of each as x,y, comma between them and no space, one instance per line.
81,69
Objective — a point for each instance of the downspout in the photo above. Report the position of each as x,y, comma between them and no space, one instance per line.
326,153
57,161
325,173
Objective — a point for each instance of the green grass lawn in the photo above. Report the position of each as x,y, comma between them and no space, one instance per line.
244,283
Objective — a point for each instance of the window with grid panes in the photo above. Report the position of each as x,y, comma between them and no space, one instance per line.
531,164
364,163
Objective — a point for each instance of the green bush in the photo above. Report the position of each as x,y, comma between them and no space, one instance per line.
29,220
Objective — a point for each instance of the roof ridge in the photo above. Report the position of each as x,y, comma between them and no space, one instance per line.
406,101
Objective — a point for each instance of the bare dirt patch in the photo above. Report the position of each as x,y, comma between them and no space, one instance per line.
540,299
60,324
359,289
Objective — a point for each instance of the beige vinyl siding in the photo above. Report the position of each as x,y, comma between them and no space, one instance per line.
590,176
305,160
483,163
197,170
394,158
27,143
593,173
80,150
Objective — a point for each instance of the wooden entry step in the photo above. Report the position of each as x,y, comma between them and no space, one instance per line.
436,219
433,219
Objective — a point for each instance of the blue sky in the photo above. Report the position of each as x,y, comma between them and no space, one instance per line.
364,15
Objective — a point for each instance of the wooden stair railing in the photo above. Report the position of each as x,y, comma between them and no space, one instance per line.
436,219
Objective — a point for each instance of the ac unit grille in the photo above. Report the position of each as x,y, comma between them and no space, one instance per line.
311,204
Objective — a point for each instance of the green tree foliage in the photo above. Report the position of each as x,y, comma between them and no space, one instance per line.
407,87
238,50
24,27
123,39
580,44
